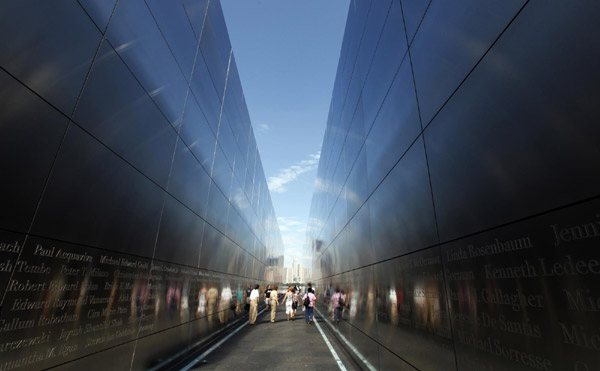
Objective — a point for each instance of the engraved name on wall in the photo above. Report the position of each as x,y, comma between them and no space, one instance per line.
527,296
66,301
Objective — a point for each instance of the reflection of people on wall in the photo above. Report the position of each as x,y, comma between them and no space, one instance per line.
211,301
172,298
427,304
393,306
141,296
239,301
247,299
254,295
403,304
133,300
353,303
381,303
267,295
433,305
328,295
331,307
338,302
51,295
201,301
370,307
224,304
114,294
184,304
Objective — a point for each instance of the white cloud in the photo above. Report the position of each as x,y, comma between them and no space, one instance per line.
320,185
292,241
292,231
284,176
316,224
262,128
299,253
290,225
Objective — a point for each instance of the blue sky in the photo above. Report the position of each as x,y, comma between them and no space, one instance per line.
287,53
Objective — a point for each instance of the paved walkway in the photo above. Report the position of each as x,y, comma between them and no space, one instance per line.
283,345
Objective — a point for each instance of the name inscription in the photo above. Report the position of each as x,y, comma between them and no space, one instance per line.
533,292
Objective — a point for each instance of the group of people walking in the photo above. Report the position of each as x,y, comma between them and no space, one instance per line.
291,299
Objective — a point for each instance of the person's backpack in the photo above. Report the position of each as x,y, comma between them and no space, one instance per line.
341,301
306,302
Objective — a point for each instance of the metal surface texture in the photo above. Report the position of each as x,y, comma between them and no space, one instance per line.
457,198
135,210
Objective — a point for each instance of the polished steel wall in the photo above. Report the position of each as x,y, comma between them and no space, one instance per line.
457,200
134,206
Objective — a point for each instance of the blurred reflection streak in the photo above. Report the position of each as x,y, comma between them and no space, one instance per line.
224,304
353,295
240,300
466,299
81,298
370,307
125,46
211,301
173,297
53,296
111,299
141,297
427,306
132,300
327,293
184,306
201,301
156,91
404,305
47,74
101,57
393,306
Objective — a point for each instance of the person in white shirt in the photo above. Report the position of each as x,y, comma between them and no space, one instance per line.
289,301
254,295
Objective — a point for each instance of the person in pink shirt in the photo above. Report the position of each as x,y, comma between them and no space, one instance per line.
309,300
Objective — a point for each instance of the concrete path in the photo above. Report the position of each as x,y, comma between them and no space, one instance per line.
283,345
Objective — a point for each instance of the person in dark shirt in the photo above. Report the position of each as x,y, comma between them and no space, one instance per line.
308,301
267,295
248,292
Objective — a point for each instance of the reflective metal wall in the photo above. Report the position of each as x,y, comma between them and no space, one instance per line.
457,199
134,207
